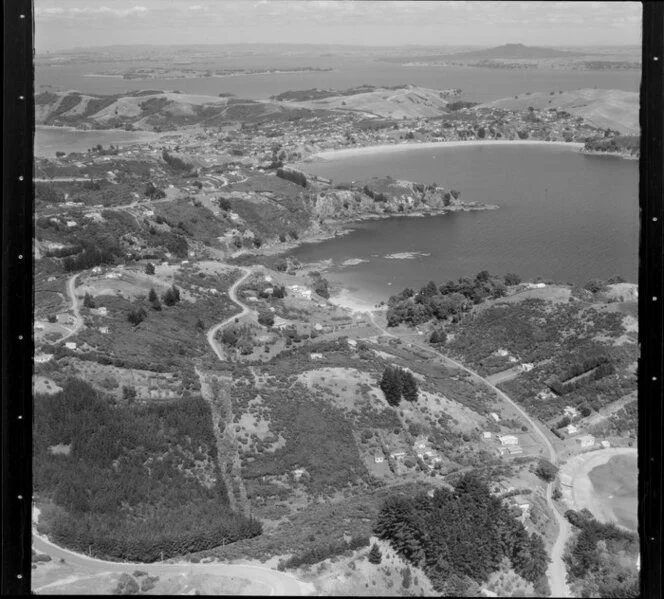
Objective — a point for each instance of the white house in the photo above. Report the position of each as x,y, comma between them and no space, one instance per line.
103,330
495,416
570,412
96,270
570,429
70,345
42,358
508,440
486,435
586,441
605,444
398,455
316,356
527,367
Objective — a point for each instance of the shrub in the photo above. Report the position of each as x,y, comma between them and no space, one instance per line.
126,586
546,470
266,318
375,555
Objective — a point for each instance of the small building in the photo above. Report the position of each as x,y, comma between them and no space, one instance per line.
586,441
96,270
570,429
486,435
508,440
571,412
379,459
527,367
605,444
103,330
70,345
316,356
495,416
398,455
43,358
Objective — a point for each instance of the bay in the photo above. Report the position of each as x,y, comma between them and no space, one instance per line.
477,84
49,140
563,216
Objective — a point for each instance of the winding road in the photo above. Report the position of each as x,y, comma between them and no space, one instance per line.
232,294
557,574
71,292
274,581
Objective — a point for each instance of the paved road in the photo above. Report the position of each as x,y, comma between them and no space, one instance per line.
232,294
71,292
273,581
557,574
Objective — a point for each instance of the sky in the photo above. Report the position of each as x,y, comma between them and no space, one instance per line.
64,24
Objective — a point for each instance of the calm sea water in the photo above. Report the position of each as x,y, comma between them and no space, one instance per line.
480,85
563,216
49,140
616,484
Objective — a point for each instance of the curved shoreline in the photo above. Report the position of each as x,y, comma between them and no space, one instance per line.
577,488
430,145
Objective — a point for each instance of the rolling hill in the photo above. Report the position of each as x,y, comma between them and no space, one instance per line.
154,110
405,101
604,108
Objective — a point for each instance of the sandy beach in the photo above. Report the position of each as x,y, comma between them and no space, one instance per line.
346,299
577,488
389,148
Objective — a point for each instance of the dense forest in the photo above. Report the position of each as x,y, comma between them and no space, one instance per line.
446,301
460,537
601,559
133,481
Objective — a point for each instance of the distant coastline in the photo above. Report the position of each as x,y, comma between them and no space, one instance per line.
430,145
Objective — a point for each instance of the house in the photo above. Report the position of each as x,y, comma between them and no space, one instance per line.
420,444
486,435
527,367
605,444
379,459
508,440
570,429
42,358
495,416
298,472
545,394
70,345
571,412
316,356
586,441
96,270
103,330
398,455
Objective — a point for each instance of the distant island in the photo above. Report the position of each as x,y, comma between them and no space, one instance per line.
186,73
520,56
